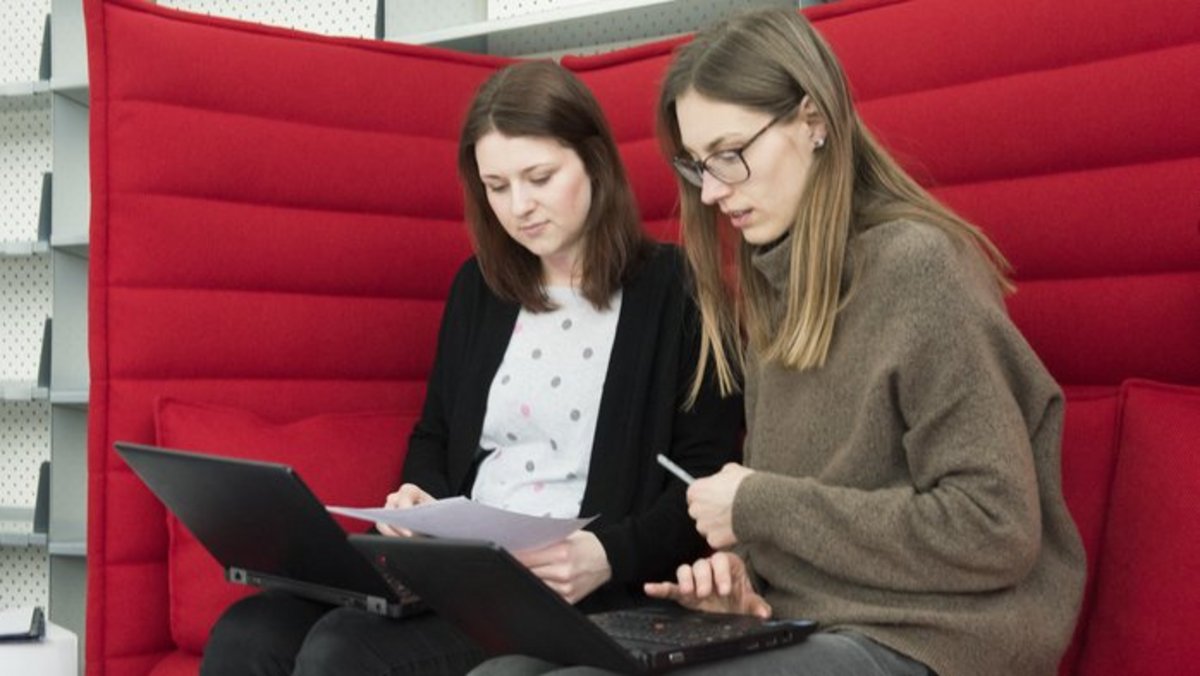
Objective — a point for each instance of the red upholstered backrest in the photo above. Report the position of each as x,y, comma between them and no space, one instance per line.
276,220
275,224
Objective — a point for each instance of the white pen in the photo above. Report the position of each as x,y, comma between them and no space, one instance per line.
676,470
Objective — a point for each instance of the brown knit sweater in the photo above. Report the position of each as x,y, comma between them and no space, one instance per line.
910,488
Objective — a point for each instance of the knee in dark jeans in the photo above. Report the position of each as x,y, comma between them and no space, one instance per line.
260,636
354,642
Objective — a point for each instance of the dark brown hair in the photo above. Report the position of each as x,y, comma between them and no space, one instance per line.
543,99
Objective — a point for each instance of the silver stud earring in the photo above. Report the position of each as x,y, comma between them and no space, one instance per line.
818,142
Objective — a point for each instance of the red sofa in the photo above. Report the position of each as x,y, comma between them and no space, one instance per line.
276,220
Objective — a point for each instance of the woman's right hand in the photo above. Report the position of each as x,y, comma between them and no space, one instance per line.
717,584
408,495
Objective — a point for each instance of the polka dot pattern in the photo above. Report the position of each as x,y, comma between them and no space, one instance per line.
543,405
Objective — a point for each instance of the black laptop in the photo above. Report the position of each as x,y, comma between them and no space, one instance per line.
266,528
498,602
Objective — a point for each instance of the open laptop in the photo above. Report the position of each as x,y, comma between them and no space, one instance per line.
495,600
266,528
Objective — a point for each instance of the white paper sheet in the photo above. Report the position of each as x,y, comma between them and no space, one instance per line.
466,519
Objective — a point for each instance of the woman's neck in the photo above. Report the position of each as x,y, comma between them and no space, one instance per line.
561,271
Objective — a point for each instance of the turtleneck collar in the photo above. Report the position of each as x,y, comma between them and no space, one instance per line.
774,261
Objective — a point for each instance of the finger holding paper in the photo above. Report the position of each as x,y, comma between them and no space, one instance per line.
408,495
573,567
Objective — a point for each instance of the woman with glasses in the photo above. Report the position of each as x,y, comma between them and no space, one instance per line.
900,483
565,364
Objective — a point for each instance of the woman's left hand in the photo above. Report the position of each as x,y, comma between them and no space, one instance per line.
573,567
710,504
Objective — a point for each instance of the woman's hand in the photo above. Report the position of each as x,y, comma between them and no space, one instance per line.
710,504
717,584
408,495
573,567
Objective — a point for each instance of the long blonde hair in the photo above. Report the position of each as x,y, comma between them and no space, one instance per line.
769,60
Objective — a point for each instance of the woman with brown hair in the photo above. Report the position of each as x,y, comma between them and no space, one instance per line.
900,483
565,364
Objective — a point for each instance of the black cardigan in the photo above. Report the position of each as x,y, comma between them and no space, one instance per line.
643,522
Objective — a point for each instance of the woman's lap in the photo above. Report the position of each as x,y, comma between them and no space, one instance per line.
275,634
348,641
821,654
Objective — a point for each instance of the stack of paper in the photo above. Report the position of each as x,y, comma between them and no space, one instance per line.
465,519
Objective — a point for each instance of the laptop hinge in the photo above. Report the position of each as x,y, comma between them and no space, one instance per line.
378,605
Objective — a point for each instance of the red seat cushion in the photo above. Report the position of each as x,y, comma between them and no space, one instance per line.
345,458
1146,596
1088,449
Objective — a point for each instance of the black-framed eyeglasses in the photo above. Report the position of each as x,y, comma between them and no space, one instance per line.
727,166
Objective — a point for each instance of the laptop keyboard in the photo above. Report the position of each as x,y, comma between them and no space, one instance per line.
673,629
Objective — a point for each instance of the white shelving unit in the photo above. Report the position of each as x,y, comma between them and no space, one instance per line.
546,27
25,110
43,274
475,21
70,205
23,89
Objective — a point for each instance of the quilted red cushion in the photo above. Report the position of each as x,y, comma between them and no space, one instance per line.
346,459
1146,595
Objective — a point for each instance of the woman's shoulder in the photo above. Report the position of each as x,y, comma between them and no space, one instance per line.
908,251
469,269
469,284
906,243
916,263
660,260
469,277
660,276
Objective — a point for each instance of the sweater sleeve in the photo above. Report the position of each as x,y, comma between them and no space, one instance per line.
969,394
426,462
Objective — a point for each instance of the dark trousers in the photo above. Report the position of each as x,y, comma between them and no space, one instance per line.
273,634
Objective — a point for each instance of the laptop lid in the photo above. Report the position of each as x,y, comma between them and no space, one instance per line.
264,526
495,600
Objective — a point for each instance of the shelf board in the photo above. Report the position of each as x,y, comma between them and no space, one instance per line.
22,539
12,513
22,391
19,89
76,245
20,249
76,90
536,20
18,528
68,548
69,397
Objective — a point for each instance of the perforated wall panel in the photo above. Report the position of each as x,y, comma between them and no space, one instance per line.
25,438
26,577
24,156
617,30
21,24
331,17
24,293
502,9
